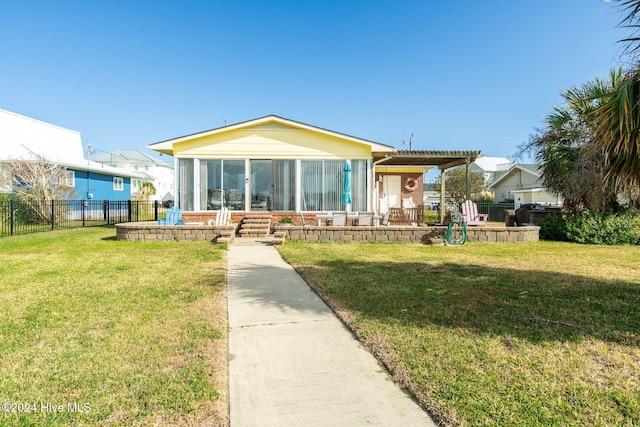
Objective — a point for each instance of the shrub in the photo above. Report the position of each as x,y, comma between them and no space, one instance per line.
592,228
553,227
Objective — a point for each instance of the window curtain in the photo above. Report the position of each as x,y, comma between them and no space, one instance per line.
312,171
322,185
359,185
284,183
185,184
203,184
333,185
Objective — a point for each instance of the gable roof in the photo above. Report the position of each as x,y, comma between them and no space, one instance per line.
531,169
166,146
128,156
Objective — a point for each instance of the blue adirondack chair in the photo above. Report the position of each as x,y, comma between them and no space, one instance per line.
174,216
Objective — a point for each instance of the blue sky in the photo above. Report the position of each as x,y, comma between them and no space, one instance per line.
466,75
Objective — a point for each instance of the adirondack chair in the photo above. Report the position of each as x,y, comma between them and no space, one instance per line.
471,216
174,216
223,216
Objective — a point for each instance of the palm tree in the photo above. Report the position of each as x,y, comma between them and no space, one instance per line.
569,167
145,191
617,120
617,132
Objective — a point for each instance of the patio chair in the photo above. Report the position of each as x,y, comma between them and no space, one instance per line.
174,216
223,216
236,199
471,216
385,219
260,202
365,218
407,202
339,219
215,198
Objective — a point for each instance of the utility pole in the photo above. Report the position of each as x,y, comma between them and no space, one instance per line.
410,143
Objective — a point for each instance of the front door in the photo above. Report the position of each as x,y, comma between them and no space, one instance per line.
260,185
391,193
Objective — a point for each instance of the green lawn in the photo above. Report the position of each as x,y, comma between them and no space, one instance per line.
130,333
526,334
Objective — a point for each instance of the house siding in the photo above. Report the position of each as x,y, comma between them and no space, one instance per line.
518,180
100,186
265,143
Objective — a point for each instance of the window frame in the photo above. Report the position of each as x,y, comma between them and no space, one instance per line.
118,183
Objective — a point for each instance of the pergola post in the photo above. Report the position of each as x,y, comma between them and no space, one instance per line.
442,187
468,172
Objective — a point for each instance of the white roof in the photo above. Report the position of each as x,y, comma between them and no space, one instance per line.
493,164
24,138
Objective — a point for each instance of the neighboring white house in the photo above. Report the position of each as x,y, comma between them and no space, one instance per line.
522,183
24,138
152,170
491,167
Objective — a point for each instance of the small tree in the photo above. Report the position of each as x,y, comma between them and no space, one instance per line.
35,181
145,191
456,184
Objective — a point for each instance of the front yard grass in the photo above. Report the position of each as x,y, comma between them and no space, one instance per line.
526,334
129,333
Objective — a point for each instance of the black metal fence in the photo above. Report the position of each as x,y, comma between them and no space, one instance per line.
20,217
494,210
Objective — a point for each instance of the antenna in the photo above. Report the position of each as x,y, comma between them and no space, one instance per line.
410,142
89,152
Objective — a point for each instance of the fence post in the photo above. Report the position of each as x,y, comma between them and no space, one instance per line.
11,217
129,204
53,215
155,210
82,211
106,208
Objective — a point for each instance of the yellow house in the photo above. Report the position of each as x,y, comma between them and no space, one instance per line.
279,165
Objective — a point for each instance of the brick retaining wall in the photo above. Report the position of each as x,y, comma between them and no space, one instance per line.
404,234
152,232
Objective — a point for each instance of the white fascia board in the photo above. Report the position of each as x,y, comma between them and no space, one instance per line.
529,190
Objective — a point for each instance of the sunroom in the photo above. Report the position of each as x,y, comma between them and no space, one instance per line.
273,164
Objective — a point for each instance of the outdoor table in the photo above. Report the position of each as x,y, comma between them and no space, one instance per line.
326,217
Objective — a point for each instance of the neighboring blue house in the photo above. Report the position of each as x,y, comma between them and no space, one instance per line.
96,183
26,138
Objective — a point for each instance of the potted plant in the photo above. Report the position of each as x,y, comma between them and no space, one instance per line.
286,221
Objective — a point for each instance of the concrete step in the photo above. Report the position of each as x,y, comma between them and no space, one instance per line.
254,235
255,230
258,221
256,225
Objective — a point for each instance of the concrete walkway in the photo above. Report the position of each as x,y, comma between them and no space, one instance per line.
292,362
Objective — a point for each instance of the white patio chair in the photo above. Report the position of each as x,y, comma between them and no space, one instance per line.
407,202
339,219
365,218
